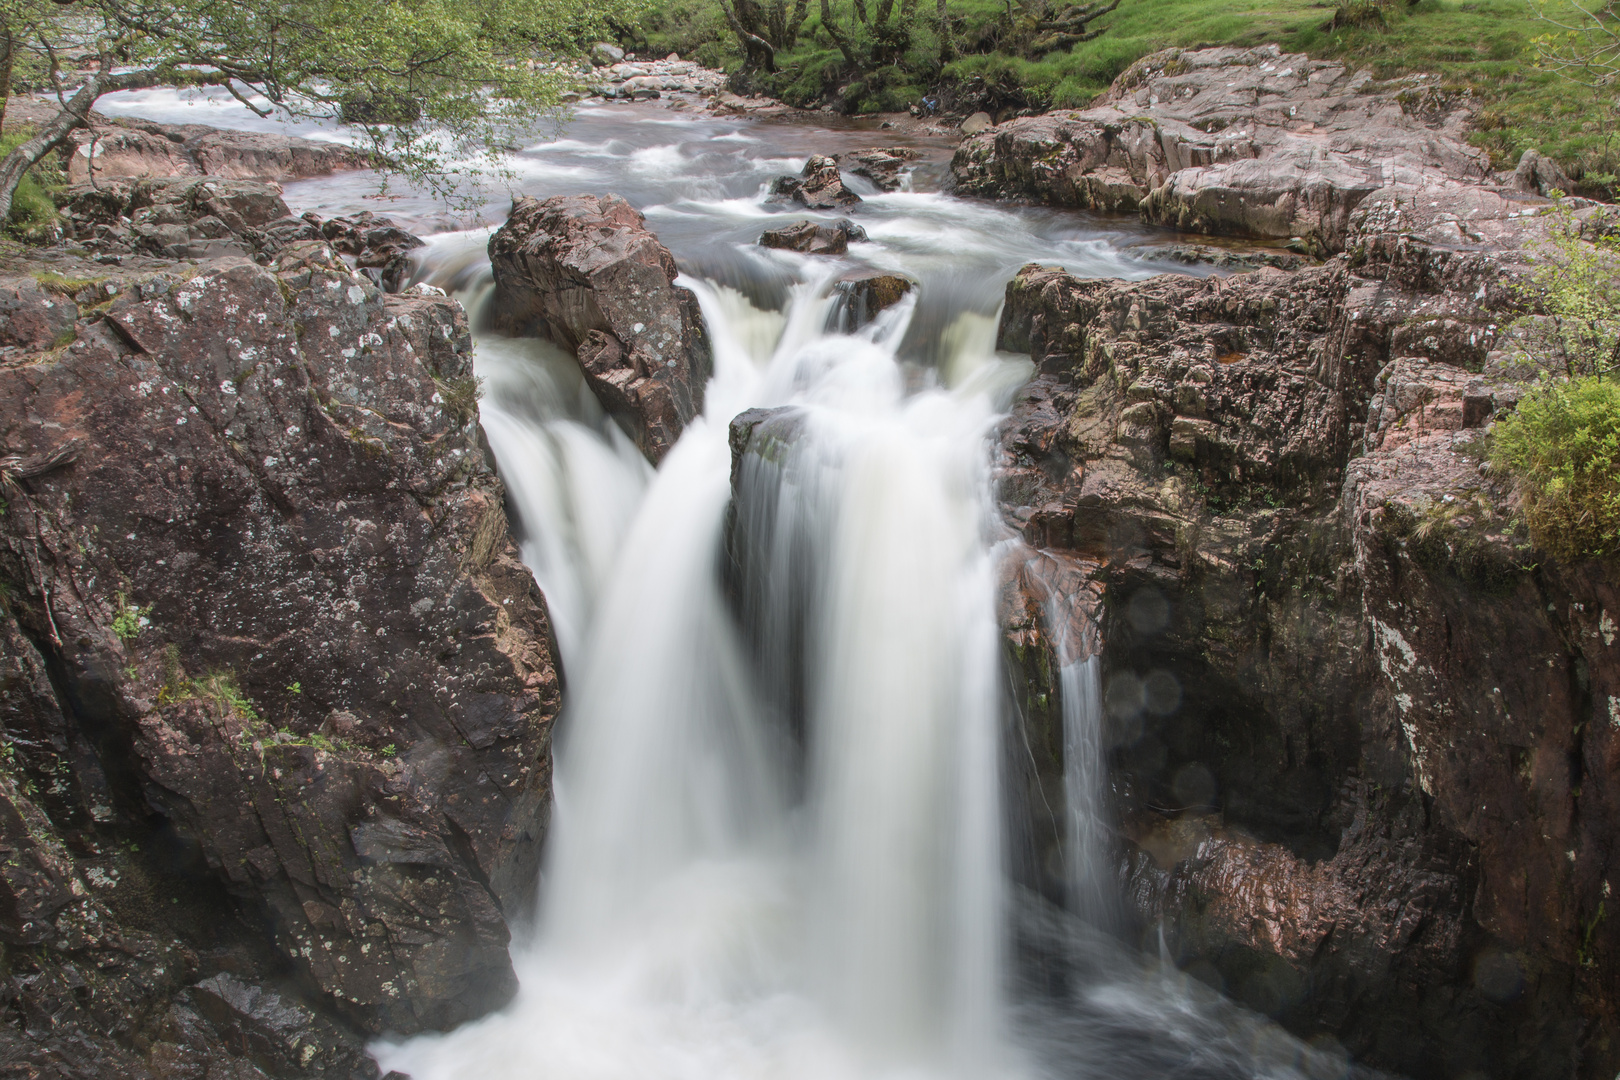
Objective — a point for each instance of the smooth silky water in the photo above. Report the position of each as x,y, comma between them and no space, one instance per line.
776,852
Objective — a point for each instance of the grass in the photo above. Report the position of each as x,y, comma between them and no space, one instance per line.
1480,49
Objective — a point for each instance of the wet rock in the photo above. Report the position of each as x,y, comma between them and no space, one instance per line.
812,238
584,272
1240,142
818,187
866,294
279,508
1279,478
884,167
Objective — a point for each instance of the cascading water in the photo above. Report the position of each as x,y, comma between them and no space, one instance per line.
776,846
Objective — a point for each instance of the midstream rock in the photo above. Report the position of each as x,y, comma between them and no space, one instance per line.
271,654
1240,142
884,167
1381,803
818,187
584,272
866,293
811,238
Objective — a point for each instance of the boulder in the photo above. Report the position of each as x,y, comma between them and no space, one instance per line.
1540,176
884,167
584,272
818,187
867,293
812,238
606,54
979,121
1239,142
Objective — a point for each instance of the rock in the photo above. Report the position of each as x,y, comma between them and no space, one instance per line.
867,293
1239,142
814,239
979,121
33,320
883,167
1277,477
202,217
818,187
584,272
379,247
1540,176
261,498
1222,258
606,54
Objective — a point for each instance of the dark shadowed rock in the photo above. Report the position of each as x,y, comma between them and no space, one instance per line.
1242,142
273,584
818,187
584,272
866,293
812,238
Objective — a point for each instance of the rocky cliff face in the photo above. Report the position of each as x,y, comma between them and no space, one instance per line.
279,693
1362,736
584,272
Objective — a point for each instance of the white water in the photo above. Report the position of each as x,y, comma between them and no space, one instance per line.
699,917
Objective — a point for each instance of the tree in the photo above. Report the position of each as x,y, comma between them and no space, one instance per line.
437,87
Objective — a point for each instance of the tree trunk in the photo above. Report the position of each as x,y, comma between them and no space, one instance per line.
945,49
75,114
838,38
7,46
760,53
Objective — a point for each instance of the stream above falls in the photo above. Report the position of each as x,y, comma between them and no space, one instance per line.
729,896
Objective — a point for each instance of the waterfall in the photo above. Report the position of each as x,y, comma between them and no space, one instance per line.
1092,893
778,852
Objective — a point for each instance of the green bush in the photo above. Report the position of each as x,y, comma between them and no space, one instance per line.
1563,443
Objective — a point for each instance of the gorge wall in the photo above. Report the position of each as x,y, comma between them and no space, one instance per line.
278,691
1363,736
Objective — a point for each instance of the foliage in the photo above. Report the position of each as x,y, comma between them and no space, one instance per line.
1563,442
437,88
129,620
1576,285
220,688
461,397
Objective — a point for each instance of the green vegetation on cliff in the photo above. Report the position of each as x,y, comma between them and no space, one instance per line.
1479,50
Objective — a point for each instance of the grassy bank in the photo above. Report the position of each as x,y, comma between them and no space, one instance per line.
1478,48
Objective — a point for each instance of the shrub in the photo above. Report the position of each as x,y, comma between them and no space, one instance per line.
1563,443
